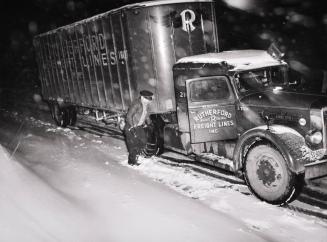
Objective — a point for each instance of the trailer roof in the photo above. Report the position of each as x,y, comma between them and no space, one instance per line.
161,2
238,59
129,6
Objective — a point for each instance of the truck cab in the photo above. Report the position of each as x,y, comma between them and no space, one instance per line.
237,110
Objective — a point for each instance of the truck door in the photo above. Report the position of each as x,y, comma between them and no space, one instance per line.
211,109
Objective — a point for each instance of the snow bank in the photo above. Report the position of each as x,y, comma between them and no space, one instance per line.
275,223
31,210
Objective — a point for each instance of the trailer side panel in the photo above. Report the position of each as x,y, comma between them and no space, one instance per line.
104,61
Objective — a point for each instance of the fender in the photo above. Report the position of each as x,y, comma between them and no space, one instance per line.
286,140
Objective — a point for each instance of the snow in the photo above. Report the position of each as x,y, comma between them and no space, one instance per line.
222,160
312,155
69,185
274,222
308,154
238,59
280,129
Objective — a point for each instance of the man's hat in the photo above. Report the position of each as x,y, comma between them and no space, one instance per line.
146,94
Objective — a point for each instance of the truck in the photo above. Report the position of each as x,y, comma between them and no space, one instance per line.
235,110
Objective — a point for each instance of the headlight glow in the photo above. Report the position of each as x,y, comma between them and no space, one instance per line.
316,119
316,138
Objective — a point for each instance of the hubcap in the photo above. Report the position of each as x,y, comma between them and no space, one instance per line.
269,172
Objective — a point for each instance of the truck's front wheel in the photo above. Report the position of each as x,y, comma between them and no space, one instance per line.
269,177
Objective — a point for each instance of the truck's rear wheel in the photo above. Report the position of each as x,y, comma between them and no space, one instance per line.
60,115
51,107
72,115
269,177
155,141
152,146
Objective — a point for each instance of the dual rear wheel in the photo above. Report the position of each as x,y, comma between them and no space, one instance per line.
63,116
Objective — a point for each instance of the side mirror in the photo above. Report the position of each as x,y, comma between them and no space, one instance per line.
275,52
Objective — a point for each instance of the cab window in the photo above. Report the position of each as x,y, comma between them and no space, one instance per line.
259,79
215,88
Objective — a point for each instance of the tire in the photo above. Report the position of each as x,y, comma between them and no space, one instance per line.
155,139
269,177
159,125
51,107
61,115
151,147
72,115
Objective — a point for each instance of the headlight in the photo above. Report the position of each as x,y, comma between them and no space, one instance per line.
315,138
316,119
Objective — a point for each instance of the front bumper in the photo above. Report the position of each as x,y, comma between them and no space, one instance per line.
316,169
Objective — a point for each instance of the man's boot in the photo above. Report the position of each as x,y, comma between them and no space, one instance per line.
133,160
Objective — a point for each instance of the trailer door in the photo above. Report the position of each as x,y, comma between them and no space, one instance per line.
211,108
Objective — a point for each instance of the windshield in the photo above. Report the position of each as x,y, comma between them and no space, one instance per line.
259,79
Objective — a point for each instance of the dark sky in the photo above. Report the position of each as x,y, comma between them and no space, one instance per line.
299,27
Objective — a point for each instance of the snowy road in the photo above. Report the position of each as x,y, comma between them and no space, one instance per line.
69,185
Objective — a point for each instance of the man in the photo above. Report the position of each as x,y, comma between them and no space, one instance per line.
137,119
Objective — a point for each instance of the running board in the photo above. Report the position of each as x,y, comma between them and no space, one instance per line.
215,160
206,158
